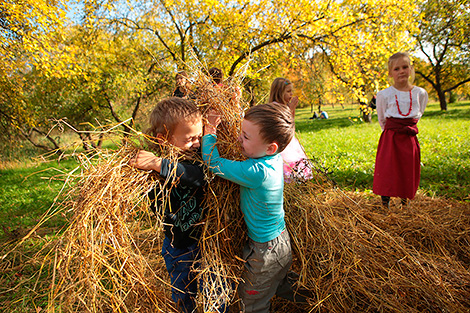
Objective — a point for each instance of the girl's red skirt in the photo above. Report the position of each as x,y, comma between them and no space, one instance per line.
397,164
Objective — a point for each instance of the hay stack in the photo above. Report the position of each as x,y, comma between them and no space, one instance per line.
351,255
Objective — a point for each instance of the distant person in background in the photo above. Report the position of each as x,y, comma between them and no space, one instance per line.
399,108
217,75
323,115
182,88
373,101
296,163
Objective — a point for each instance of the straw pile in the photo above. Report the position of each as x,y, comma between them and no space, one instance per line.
99,265
355,256
351,254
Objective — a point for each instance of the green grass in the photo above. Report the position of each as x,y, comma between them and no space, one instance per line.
343,145
346,147
27,192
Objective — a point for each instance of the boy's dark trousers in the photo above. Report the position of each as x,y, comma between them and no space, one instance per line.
179,264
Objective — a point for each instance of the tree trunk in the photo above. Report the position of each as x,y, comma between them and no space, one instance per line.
442,100
367,117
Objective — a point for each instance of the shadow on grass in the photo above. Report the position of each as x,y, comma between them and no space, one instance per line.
307,125
456,186
450,113
460,111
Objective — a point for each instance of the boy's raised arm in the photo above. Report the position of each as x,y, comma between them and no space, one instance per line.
147,161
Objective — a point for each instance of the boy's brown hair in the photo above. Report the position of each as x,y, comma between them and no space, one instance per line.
181,74
217,75
274,121
278,87
168,113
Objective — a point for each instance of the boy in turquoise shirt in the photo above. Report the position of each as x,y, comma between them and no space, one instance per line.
266,130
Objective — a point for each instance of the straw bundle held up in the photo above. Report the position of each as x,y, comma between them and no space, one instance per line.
225,232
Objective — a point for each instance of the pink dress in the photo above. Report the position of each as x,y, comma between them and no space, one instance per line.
296,162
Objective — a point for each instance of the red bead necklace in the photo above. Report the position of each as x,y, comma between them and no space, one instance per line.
398,106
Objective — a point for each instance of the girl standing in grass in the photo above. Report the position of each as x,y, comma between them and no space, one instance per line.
399,108
296,164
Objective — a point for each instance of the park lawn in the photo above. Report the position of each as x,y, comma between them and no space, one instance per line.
342,145
27,192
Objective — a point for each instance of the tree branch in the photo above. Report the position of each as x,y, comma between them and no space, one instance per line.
457,85
281,38
28,136
427,78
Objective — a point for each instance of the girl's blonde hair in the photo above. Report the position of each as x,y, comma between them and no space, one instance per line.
278,87
402,55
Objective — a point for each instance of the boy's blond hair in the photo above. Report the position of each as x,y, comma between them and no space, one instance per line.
278,88
275,122
168,113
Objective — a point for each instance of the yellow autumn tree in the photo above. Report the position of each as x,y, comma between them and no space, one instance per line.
357,36
122,52
31,40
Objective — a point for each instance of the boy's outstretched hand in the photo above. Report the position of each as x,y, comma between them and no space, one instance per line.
147,161
213,119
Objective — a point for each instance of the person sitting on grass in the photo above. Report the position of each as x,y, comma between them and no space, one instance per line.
323,115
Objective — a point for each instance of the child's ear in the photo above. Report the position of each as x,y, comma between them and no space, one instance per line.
272,148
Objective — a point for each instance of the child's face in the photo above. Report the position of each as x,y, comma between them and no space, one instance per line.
288,93
400,71
253,145
180,81
187,134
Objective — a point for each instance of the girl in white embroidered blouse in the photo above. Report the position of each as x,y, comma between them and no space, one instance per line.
399,108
